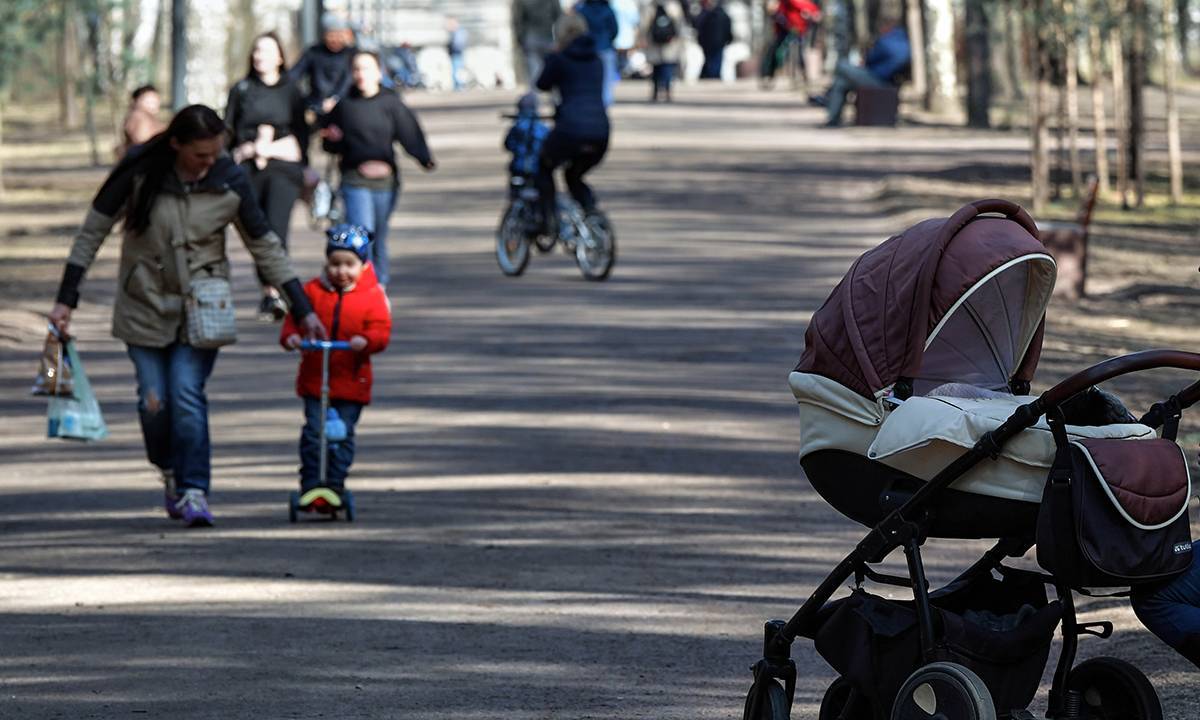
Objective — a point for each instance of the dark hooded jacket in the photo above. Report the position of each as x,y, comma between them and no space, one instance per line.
601,20
578,75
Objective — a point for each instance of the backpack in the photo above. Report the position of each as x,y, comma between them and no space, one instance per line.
663,29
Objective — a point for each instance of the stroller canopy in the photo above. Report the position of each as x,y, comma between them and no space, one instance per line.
959,299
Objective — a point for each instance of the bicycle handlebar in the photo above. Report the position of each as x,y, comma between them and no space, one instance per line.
324,345
1115,367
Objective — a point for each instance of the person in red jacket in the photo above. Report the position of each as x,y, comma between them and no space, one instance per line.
352,304
792,20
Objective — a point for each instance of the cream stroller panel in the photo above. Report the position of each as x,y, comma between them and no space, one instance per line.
925,434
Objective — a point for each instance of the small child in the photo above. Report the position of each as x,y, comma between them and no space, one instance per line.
353,307
524,141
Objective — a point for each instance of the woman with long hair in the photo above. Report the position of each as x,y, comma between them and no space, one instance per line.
176,195
269,139
363,129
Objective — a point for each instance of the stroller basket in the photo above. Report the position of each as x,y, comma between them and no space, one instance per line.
1001,629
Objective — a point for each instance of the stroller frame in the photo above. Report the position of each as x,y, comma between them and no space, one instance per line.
907,525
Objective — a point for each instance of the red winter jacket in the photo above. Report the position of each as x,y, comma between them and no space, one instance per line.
798,13
361,310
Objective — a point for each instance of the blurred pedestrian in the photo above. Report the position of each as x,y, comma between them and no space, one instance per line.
791,20
456,45
579,139
661,34
629,22
602,27
141,119
180,186
362,129
326,66
714,32
533,26
269,139
885,63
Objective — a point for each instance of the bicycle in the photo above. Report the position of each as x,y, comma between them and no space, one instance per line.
587,236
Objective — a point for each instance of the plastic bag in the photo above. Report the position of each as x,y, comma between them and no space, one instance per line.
76,417
54,372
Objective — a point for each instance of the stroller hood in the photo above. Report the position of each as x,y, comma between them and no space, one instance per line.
958,299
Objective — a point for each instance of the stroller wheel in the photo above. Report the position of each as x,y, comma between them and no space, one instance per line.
774,705
1112,688
843,702
944,690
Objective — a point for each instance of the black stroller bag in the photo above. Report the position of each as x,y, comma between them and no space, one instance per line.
1001,628
1114,513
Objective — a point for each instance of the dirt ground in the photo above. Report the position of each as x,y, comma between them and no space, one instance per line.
575,500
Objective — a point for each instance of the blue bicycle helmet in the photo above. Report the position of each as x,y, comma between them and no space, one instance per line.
345,236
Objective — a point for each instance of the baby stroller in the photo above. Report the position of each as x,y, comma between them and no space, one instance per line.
916,421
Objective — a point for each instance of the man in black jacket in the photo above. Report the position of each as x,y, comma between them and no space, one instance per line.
326,65
714,31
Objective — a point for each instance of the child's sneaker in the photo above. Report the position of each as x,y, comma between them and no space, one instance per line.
170,495
193,509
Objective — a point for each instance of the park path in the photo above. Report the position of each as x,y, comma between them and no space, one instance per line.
576,500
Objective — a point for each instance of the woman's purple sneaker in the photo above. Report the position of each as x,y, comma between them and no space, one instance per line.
170,495
193,508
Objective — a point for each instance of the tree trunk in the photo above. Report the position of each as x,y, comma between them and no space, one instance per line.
1137,107
1036,62
1012,51
68,67
1096,51
1183,31
916,35
1120,115
3,104
979,66
943,63
1069,49
1171,70
93,85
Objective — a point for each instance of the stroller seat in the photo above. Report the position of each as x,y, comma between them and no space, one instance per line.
854,450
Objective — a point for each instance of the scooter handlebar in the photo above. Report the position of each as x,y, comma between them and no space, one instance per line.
324,345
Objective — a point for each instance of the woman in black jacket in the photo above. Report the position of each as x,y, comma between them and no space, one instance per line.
269,138
580,136
363,129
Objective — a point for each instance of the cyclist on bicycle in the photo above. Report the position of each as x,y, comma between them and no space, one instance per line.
580,135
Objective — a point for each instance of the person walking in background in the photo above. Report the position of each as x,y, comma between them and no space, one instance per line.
533,27
714,32
141,120
362,129
602,27
664,45
888,57
790,20
268,137
180,185
325,67
579,139
629,21
456,45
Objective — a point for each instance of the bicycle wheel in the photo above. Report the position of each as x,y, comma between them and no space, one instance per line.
512,247
596,250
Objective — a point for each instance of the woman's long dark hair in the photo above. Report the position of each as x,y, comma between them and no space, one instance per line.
154,160
250,71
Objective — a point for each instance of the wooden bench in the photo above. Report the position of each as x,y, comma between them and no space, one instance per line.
876,106
1067,242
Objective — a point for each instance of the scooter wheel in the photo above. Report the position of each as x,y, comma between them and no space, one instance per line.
293,505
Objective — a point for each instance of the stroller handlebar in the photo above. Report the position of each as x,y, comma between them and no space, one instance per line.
324,344
1115,367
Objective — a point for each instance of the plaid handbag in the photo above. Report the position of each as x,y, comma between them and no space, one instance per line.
207,307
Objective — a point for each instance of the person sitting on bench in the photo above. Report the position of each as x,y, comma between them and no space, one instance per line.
887,58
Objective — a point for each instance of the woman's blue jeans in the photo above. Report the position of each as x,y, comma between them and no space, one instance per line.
173,410
1172,610
371,209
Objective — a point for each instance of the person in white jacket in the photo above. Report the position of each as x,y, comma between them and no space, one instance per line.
662,38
